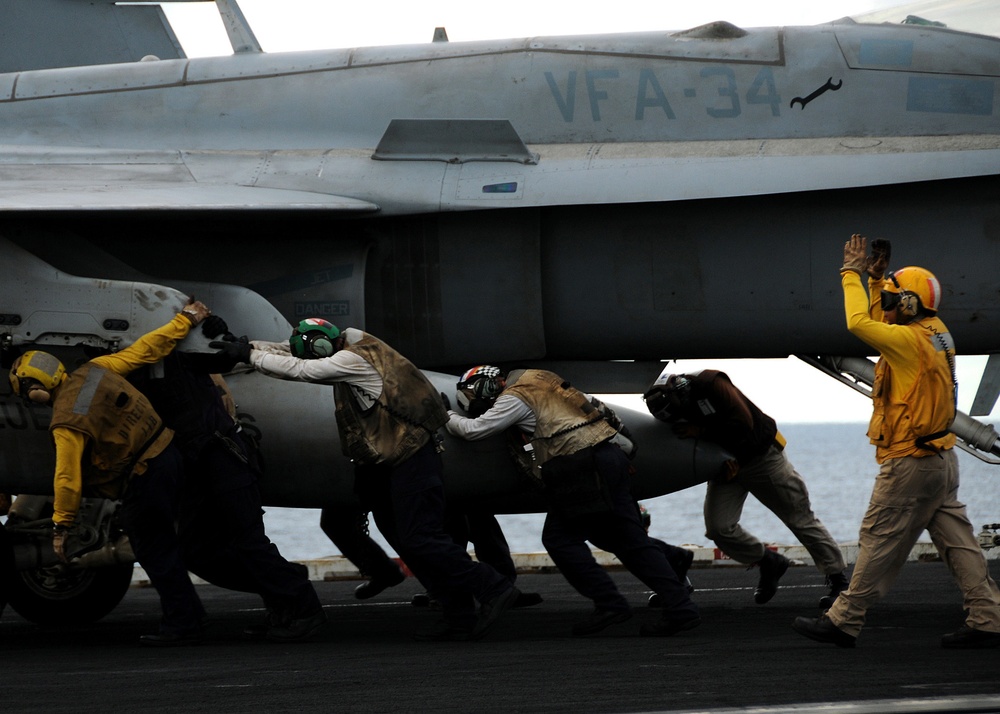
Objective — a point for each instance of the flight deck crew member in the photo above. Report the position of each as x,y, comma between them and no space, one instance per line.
221,525
708,405
387,415
917,486
111,443
586,479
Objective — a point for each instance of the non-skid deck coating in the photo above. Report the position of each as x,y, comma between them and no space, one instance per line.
364,660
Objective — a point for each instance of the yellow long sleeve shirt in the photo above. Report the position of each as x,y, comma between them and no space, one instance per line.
913,391
70,444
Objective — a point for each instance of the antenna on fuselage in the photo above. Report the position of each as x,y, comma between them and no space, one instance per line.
440,35
241,37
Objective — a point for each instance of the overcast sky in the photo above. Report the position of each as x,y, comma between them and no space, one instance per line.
789,389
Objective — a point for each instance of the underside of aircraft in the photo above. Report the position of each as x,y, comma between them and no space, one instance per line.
591,205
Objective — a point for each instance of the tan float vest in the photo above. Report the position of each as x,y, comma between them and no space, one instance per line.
897,428
403,418
124,429
565,420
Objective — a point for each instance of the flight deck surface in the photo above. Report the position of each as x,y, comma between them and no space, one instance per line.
365,660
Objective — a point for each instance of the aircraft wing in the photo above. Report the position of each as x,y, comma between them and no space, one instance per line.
61,179
99,196
47,178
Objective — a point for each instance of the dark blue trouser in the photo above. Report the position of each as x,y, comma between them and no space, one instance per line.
410,514
676,555
482,529
341,524
148,513
618,531
223,538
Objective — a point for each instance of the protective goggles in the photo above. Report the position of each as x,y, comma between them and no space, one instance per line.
890,301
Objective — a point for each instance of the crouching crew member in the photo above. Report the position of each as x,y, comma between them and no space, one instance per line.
586,479
708,405
221,526
387,415
111,443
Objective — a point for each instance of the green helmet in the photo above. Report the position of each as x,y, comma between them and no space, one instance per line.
314,338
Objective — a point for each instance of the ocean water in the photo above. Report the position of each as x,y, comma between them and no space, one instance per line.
835,460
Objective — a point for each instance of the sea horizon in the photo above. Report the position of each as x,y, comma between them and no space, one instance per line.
835,459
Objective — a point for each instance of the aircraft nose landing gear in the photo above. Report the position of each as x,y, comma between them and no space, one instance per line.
46,591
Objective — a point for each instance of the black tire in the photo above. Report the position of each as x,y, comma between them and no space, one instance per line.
56,596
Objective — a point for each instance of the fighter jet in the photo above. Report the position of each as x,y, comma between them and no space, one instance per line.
588,204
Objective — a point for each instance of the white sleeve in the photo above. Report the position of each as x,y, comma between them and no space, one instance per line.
274,348
506,412
340,367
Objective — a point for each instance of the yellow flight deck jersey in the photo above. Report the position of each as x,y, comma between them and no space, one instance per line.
913,394
71,443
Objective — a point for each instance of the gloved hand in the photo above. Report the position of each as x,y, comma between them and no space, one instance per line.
730,469
238,351
196,311
213,326
879,259
59,535
686,430
856,254
446,401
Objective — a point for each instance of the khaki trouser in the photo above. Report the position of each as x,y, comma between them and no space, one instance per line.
911,495
775,483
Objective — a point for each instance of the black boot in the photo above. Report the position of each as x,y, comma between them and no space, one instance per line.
822,630
838,583
680,560
371,588
772,567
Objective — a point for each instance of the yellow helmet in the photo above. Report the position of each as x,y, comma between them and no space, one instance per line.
36,366
912,290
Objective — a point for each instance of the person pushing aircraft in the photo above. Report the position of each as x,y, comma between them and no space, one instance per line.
109,441
586,479
708,405
387,415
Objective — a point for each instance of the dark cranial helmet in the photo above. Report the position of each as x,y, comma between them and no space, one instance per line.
671,399
479,388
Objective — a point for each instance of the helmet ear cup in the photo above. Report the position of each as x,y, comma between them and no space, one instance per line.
318,344
314,338
39,396
478,389
909,304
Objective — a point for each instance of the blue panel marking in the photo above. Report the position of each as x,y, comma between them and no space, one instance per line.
302,281
887,53
950,96
509,187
